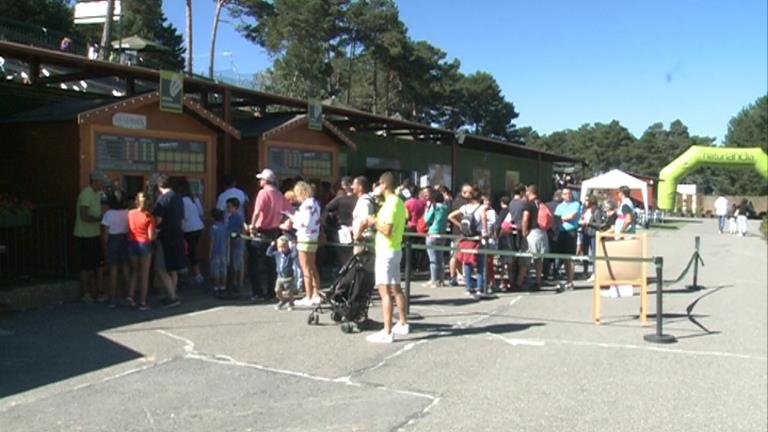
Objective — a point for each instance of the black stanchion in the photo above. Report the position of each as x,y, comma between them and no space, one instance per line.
408,276
695,286
659,336
408,265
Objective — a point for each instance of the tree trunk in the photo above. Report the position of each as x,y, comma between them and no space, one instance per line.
189,36
375,84
219,5
349,82
106,35
386,93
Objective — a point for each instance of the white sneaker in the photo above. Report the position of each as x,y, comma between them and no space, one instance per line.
380,337
316,300
303,302
401,329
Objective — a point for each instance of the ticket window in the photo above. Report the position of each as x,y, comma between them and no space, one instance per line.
133,184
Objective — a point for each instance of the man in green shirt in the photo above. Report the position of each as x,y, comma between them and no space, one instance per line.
87,234
389,224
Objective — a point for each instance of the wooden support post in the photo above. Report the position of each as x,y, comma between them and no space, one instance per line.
454,157
538,173
227,138
204,99
130,86
34,71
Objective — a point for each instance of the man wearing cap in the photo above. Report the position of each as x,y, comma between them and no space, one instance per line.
265,226
87,233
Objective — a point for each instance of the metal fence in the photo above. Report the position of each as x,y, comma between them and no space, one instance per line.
39,247
15,31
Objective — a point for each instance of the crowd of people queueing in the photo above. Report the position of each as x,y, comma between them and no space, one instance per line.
274,241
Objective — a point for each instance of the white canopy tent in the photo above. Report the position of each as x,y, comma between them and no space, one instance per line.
614,179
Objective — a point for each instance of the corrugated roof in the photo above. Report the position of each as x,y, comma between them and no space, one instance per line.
254,127
61,111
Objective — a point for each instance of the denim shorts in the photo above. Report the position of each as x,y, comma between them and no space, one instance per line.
137,249
218,267
117,249
236,258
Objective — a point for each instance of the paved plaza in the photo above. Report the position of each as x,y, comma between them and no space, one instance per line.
519,362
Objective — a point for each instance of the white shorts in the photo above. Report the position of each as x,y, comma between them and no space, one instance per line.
537,242
388,268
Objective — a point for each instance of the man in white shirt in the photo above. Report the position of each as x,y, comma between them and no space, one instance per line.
231,191
364,207
721,210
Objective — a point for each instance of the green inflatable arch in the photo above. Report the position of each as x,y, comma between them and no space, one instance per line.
697,156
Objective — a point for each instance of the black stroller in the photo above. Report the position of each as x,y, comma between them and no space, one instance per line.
350,294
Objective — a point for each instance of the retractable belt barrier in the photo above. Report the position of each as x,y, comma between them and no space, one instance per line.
658,261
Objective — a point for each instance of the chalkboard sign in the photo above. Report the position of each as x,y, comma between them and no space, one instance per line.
293,162
131,153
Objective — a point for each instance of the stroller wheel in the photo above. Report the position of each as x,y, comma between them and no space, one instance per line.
336,316
346,327
317,319
312,319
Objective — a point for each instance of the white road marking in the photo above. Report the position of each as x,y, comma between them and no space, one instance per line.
205,311
543,342
191,352
515,300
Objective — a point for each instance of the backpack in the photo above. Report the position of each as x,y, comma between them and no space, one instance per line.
470,226
545,217
421,226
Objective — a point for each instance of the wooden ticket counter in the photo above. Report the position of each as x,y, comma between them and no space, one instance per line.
131,141
287,146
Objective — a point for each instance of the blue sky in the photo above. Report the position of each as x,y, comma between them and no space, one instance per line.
566,63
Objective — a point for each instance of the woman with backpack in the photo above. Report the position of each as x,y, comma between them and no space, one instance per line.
469,218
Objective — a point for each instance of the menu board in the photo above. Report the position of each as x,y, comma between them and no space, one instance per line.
131,153
124,153
294,162
180,156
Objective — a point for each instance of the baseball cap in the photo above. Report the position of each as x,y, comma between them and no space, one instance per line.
99,176
267,175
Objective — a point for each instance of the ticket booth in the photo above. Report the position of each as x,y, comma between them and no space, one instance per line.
285,144
133,140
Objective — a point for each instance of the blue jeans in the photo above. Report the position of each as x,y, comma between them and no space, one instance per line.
436,260
480,285
721,222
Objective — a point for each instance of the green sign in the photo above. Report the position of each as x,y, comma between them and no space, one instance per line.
315,115
171,91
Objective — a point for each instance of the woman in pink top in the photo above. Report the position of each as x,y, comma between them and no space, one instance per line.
141,232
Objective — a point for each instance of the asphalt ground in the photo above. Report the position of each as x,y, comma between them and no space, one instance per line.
519,362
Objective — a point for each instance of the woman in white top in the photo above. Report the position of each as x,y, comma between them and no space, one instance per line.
306,222
193,228
115,238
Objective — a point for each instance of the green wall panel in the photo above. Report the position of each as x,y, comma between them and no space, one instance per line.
417,155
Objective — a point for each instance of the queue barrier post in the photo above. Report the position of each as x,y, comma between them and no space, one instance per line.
408,256
659,337
696,259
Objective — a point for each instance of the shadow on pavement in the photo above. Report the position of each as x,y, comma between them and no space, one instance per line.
51,344
437,331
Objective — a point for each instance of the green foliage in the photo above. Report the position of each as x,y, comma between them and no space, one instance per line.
359,52
145,18
51,14
749,128
602,146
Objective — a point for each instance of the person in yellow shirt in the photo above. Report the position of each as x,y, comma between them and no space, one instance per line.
389,224
87,235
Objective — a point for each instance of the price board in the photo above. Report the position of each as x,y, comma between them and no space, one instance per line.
132,153
294,162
